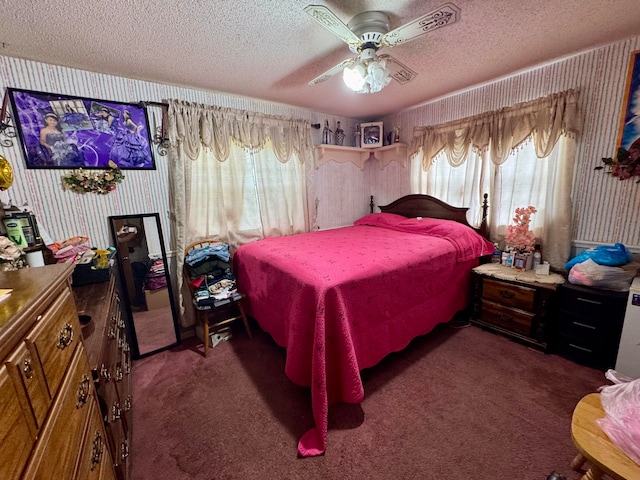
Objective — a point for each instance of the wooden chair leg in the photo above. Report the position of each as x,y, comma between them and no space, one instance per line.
205,329
244,319
594,473
578,462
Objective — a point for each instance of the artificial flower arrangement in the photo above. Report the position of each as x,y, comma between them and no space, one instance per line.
626,164
83,181
519,237
11,257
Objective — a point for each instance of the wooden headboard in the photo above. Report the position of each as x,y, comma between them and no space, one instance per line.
419,205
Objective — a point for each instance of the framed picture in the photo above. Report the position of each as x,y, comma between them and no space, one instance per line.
630,122
63,131
371,135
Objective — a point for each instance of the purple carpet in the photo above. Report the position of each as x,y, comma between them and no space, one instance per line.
455,404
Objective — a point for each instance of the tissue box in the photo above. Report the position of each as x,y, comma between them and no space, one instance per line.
542,269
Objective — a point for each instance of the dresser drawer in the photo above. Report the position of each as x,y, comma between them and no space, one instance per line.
511,319
592,303
95,460
509,294
30,384
57,450
54,339
15,437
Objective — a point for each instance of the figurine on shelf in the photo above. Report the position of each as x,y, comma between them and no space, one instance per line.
326,133
396,138
339,136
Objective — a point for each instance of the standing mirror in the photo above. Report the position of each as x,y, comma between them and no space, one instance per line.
146,284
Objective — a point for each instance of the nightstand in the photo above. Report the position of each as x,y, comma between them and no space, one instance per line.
517,308
589,324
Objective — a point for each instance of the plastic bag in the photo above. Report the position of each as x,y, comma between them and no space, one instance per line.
591,274
612,256
621,404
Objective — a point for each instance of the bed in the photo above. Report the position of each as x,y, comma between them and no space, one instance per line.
340,300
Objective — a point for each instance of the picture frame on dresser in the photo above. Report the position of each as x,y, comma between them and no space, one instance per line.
67,131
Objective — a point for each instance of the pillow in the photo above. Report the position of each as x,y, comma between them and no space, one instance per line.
380,219
467,242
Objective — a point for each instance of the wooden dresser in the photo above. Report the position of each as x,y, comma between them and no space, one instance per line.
520,310
51,424
109,352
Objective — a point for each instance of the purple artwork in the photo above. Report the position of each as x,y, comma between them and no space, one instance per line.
61,131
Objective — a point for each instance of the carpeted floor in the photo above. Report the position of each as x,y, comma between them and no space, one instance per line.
457,404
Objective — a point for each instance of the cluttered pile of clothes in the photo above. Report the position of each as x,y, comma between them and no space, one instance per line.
210,275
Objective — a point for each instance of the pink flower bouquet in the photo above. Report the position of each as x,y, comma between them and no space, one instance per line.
518,236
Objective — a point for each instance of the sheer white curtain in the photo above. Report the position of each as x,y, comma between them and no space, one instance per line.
523,155
236,176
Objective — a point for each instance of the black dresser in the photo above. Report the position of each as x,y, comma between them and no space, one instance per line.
588,325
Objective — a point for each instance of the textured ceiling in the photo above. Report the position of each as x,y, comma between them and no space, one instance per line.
271,49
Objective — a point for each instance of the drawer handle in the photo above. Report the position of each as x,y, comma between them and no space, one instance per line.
116,412
584,325
104,373
127,368
83,391
127,403
119,375
65,337
97,450
111,334
28,371
507,294
588,300
124,450
580,348
504,317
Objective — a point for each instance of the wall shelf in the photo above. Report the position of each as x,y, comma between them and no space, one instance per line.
358,156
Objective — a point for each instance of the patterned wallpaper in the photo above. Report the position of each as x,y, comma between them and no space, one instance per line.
605,209
64,214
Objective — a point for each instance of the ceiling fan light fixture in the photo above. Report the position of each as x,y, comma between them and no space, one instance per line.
354,77
368,76
378,76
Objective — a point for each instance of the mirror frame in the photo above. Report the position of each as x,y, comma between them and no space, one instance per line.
124,291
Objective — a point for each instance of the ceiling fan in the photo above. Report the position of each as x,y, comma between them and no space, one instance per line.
368,32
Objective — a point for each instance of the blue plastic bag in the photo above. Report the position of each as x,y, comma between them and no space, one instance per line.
611,256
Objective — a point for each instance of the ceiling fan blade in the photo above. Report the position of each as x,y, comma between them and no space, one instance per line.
398,71
328,20
332,71
440,17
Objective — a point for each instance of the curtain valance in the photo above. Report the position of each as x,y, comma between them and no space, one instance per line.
193,126
501,131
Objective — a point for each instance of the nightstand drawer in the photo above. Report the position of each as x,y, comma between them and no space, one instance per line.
581,328
508,318
592,303
509,294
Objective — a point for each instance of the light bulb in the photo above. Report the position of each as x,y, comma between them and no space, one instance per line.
354,76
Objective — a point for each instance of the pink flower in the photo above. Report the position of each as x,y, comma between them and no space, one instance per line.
518,236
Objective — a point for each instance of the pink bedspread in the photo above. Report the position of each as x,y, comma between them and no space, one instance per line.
341,300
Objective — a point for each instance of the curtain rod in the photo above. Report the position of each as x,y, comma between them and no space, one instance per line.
153,104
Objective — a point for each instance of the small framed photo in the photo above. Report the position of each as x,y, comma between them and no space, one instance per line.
65,131
371,135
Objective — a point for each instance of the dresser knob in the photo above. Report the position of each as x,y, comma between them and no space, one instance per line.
65,337
97,450
28,371
83,392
